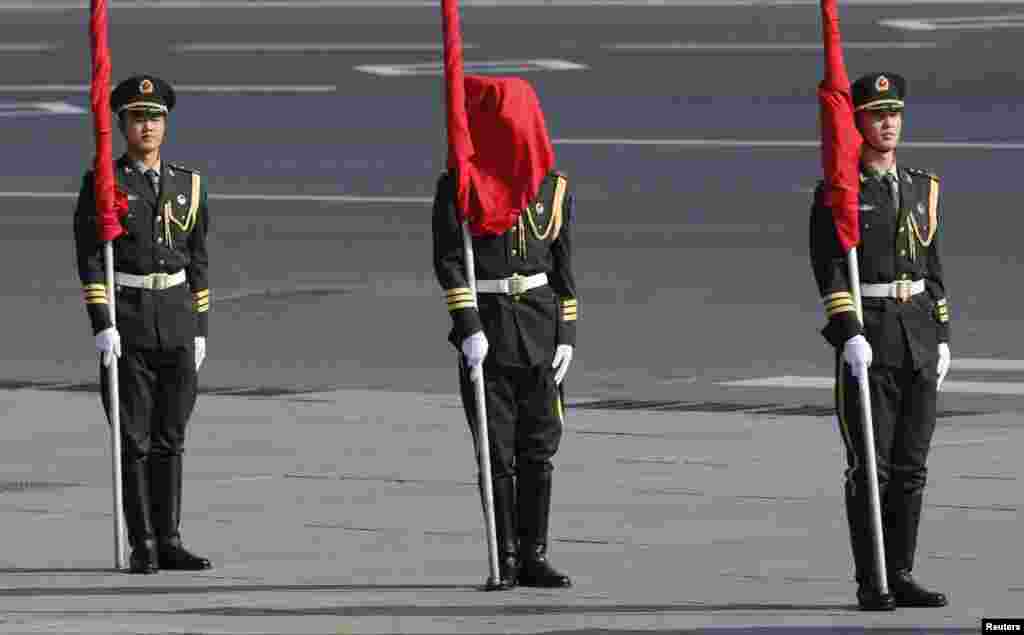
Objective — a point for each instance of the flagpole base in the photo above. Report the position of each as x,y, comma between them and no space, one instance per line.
494,584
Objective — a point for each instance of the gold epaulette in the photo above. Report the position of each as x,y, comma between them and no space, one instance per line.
460,298
182,168
570,309
95,293
201,299
838,302
925,173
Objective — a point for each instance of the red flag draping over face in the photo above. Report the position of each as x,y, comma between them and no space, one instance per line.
111,204
498,144
840,139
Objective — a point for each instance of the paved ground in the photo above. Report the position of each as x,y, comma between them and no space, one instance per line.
329,412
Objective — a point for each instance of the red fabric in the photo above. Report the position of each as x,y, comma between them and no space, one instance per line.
111,204
498,144
840,139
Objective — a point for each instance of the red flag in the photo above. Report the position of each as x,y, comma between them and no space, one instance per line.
111,204
840,139
498,144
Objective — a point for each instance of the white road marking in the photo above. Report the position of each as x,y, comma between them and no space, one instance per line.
312,198
28,47
492,67
775,143
970,23
309,47
432,4
37,108
996,365
758,46
185,88
948,386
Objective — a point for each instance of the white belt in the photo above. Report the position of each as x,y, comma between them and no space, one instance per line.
515,285
901,290
152,281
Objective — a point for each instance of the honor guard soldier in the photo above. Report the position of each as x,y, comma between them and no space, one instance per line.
903,343
522,324
162,302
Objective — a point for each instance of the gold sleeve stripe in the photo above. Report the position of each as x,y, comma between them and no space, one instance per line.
838,302
569,318
838,306
460,296
95,286
198,295
837,295
461,305
941,302
102,300
569,302
202,308
457,291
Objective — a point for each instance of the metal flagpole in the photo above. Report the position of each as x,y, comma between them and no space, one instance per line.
874,500
483,442
115,417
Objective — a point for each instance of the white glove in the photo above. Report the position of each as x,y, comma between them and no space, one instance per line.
563,357
857,353
944,360
200,351
474,348
108,342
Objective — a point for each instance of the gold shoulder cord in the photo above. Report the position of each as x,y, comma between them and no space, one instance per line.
555,222
193,210
933,219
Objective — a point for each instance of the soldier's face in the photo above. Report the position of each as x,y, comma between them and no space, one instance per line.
144,131
881,128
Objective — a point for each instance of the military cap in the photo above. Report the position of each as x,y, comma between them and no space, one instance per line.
879,91
142,92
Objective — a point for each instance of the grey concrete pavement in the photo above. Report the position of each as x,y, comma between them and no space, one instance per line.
356,511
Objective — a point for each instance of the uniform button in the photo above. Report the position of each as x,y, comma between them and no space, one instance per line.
160,240
161,262
901,230
903,252
514,252
160,218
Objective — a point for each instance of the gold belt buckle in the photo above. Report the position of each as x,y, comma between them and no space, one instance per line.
903,290
516,285
160,281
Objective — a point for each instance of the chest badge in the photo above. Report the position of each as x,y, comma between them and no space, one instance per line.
540,209
181,199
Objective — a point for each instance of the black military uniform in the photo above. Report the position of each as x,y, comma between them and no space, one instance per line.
162,303
523,328
906,317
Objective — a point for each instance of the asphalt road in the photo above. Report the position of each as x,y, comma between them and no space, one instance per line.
692,165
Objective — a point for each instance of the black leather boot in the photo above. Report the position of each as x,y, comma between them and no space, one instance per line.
505,525
533,509
869,597
165,484
138,517
907,592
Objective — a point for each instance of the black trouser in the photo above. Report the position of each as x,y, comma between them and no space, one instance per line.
903,409
524,428
157,390
524,416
